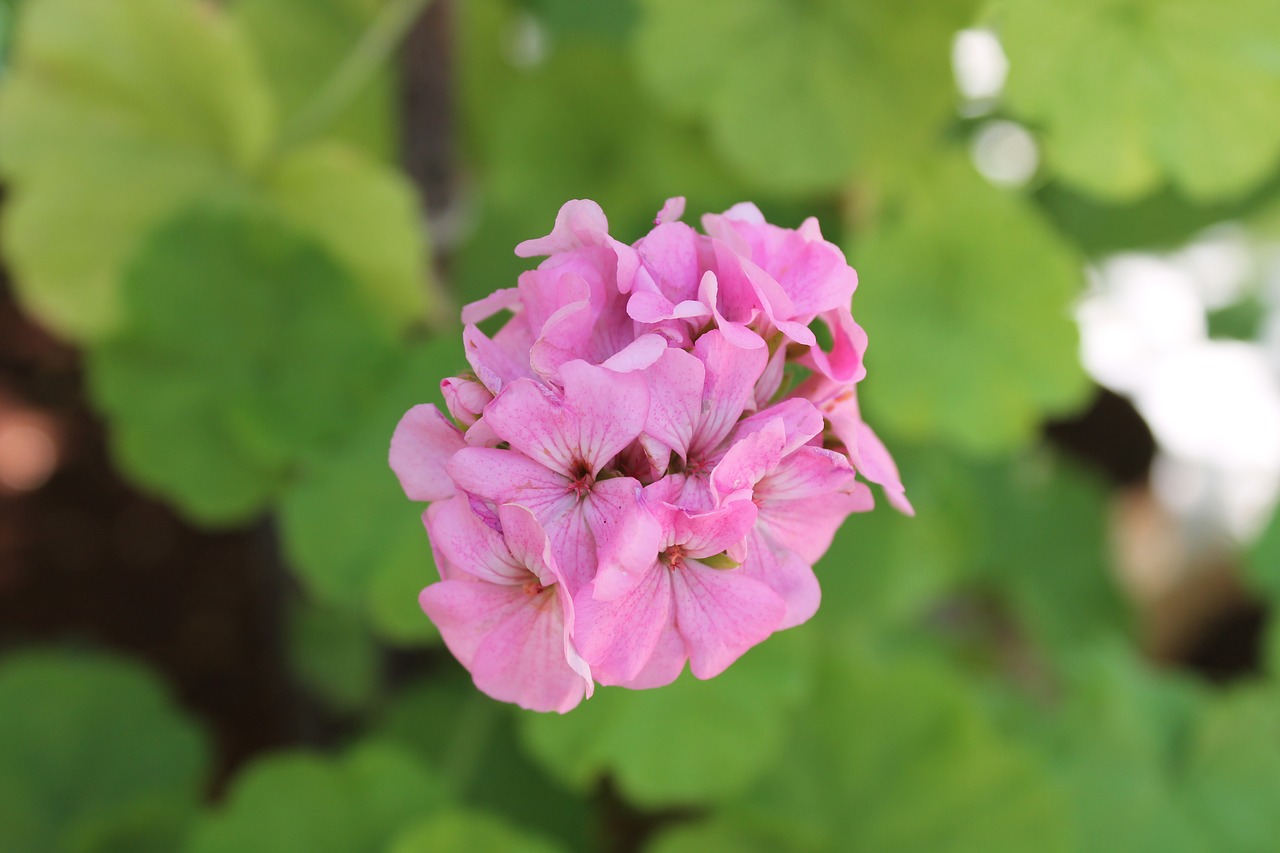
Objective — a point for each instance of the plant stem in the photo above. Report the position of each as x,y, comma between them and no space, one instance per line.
384,33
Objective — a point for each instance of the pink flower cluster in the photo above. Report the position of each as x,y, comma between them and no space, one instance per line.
648,458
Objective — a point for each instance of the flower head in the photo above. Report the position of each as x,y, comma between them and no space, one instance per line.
628,484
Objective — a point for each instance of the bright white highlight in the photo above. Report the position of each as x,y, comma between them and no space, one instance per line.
1005,153
979,64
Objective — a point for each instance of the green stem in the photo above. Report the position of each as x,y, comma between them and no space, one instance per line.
386,31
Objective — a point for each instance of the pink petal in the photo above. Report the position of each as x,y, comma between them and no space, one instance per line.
706,534
513,643
801,421
782,570
720,614
736,332
503,299
505,476
672,210
422,444
844,362
580,222
472,546
676,382
747,462
600,413
807,526
665,663
638,355
669,255
731,374
770,379
618,637
502,359
465,398
627,546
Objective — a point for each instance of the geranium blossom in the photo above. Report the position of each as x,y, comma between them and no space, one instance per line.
648,457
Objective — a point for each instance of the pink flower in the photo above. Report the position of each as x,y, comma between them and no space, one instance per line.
631,484
503,610
666,601
559,444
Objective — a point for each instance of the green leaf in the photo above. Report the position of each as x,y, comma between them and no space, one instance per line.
574,126
367,216
1233,771
312,804
349,531
713,836
92,752
474,832
299,44
114,113
1045,550
246,351
716,737
118,114
1115,741
472,740
895,757
965,294
335,656
1171,91
884,569
1262,562
824,92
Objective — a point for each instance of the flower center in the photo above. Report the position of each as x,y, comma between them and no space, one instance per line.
673,557
581,479
533,587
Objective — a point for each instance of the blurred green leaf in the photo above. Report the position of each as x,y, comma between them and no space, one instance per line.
692,742
1045,550
114,113
803,97
1262,562
312,804
246,351
299,43
472,740
573,126
884,569
93,756
367,216
965,294
1178,91
120,113
334,655
714,836
1233,772
896,757
1115,740
348,529
474,832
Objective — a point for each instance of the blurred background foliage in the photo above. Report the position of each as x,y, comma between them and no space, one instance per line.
215,224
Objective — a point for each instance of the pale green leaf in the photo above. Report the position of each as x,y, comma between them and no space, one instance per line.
367,216
114,114
1134,92
966,296
300,43
802,97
